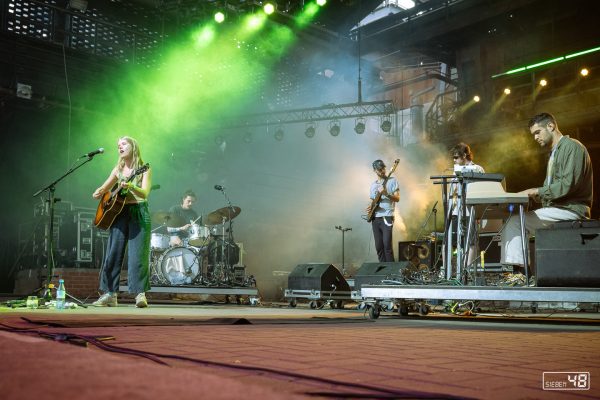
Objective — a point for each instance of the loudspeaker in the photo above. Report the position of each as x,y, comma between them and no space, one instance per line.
490,242
372,273
324,277
423,250
567,255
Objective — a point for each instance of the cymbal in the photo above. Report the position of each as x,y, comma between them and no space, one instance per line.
167,218
160,217
222,215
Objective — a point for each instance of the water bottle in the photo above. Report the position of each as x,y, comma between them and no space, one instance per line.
60,295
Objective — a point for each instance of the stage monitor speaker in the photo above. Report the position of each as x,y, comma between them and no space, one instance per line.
314,276
567,255
373,273
423,250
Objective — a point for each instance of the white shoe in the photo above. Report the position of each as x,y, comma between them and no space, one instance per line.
140,300
106,300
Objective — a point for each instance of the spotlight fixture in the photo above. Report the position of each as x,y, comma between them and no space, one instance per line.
278,134
507,91
79,5
310,130
219,17
269,8
321,3
24,91
386,124
334,127
476,99
543,82
359,126
584,72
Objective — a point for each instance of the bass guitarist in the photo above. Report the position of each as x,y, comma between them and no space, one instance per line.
383,213
130,229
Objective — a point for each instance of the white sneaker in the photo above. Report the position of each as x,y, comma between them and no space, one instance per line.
106,300
140,300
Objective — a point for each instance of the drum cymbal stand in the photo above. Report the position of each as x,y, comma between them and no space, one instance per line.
226,248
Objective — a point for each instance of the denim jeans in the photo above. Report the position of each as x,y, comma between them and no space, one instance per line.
130,231
382,233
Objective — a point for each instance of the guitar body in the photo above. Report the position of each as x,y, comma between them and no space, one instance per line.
375,202
110,206
113,202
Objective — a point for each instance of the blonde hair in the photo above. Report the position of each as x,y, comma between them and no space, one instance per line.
137,160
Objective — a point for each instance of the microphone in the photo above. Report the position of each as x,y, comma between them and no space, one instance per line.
219,187
93,153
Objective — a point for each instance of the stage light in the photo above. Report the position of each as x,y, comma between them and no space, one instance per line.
359,126
278,134
24,91
79,5
507,91
219,17
476,99
543,82
321,3
546,62
269,8
310,130
334,127
584,72
386,124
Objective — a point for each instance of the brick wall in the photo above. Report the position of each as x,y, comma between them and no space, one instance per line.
79,282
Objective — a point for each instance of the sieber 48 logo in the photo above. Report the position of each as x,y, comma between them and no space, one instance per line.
566,381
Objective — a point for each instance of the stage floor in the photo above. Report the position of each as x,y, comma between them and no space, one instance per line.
224,351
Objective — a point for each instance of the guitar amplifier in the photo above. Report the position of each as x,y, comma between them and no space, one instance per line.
426,252
567,254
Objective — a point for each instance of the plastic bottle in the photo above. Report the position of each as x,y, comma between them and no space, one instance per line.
60,295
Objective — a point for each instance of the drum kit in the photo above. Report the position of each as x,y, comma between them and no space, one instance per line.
205,258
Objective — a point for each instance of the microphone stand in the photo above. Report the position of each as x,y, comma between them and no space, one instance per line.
343,230
51,200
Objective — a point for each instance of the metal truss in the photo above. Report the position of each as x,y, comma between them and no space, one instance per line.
324,113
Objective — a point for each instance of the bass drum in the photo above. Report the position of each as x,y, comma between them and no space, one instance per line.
223,253
178,266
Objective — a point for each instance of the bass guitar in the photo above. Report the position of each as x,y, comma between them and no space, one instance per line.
113,201
375,202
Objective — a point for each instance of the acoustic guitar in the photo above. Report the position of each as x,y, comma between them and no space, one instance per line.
375,202
113,201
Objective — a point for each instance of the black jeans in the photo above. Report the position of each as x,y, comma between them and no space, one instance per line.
130,231
383,238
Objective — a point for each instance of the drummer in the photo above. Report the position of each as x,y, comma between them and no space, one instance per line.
183,212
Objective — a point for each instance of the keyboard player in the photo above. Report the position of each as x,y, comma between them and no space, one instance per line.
566,193
462,157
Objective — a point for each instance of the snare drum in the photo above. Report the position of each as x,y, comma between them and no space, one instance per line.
159,242
178,266
198,235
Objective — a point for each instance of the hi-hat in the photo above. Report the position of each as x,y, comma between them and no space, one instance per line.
222,215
